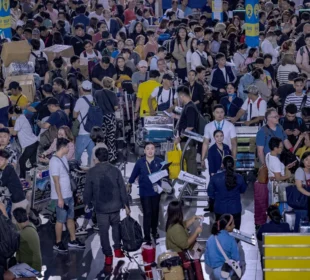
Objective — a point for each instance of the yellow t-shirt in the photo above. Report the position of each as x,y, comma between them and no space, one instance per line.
302,150
145,90
22,101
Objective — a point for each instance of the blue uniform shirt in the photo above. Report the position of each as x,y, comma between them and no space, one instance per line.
140,170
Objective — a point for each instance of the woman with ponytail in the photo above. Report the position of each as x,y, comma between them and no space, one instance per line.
275,223
220,231
224,191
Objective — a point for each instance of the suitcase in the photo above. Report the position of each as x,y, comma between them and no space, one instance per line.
304,226
193,269
260,203
290,218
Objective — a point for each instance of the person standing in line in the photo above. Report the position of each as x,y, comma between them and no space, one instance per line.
62,194
83,140
107,101
149,196
106,190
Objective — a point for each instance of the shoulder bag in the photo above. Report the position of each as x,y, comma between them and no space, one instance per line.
229,265
73,183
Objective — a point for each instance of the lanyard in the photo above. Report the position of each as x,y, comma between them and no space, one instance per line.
192,89
221,153
219,127
148,168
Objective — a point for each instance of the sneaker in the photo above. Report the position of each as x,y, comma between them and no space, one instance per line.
76,244
81,231
118,253
108,260
95,227
60,247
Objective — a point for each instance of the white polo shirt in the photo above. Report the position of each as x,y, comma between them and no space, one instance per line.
227,127
258,109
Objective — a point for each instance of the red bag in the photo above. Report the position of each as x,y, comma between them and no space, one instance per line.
193,269
260,203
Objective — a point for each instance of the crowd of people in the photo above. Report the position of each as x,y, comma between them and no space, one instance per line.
179,58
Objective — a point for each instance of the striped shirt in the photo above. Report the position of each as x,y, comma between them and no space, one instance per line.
283,72
293,98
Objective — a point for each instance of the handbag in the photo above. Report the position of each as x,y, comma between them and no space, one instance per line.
296,199
197,251
262,176
229,265
73,183
174,157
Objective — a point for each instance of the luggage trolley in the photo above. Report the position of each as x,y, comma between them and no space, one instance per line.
246,148
193,185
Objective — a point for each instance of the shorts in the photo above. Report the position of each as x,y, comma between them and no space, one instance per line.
63,215
23,270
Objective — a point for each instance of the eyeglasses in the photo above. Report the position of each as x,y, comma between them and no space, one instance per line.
274,117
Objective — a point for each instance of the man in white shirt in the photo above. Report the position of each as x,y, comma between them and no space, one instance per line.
80,112
90,53
199,57
255,107
36,35
178,12
98,13
239,59
267,46
219,123
164,96
61,193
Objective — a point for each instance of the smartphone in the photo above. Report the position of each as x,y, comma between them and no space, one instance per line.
66,207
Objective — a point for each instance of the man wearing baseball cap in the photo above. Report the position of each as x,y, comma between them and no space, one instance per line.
80,112
140,76
164,95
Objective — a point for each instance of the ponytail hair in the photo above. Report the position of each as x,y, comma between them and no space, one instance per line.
274,214
230,176
222,223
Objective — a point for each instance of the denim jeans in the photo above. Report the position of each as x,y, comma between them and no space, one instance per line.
104,223
83,142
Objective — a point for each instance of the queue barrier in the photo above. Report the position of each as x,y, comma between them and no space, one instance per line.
286,256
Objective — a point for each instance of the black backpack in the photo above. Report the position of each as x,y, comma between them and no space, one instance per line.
9,237
41,64
131,234
56,73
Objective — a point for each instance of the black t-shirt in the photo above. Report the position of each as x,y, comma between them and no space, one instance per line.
197,93
65,101
297,123
10,180
58,118
271,71
99,73
106,100
285,90
42,109
78,43
127,71
189,118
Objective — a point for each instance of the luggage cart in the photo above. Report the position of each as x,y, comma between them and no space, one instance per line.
246,151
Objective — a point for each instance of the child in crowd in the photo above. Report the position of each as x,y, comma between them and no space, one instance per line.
217,152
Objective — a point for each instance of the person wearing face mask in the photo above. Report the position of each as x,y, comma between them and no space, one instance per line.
219,123
149,196
255,107
231,103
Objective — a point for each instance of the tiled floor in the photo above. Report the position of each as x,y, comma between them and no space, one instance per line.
88,264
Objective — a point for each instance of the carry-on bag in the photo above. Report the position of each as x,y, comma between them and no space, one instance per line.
260,203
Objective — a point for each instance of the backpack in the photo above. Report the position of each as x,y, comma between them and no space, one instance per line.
9,237
169,45
41,65
258,102
202,122
94,116
131,234
56,73
282,120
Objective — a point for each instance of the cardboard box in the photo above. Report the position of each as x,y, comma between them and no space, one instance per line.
58,50
26,82
15,52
